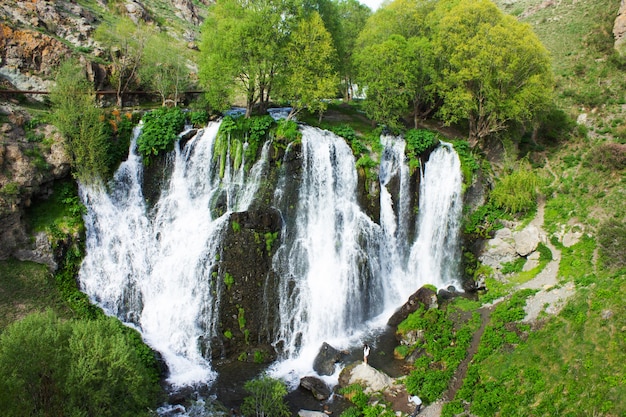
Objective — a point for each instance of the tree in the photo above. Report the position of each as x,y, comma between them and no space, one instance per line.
126,42
50,367
310,76
395,63
352,16
78,119
163,68
494,69
266,399
242,50
384,69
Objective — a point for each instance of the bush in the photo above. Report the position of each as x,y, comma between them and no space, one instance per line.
266,398
608,157
612,243
418,141
86,368
516,192
160,131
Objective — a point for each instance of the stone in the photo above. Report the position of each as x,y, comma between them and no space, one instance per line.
526,240
328,356
371,379
424,296
499,249
317,387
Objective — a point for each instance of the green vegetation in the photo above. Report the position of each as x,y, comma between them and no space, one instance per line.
443,346
516,192
79,120
55,367
364,405
160,131
418,141
266,398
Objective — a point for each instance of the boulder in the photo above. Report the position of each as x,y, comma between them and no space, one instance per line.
317,387
526,240
371,379
328,356
499,250
424,296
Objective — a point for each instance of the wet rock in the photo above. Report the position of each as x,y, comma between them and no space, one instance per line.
317,387
328,356
424,296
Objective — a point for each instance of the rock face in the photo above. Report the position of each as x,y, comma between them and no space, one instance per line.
619,29
526,240
27,169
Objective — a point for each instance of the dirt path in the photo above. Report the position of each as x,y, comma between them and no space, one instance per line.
549,299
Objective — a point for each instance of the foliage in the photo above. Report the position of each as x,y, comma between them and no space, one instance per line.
514,266
265,399
228,280
287,130
53,367
242,51
160,131
484,221
444,348
310,76
78,119
608,157
163,68
125,42
612,243
352,14
418,141
469,161
494,69
516,192
199,118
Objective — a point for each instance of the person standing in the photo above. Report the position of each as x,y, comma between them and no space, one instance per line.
366,352
418,404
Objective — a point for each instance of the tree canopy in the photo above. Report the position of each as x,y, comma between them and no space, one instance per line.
464,59
50,367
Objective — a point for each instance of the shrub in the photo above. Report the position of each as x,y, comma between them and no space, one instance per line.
87,368
418,141
608,157
160,131
266,398
612,243
516,192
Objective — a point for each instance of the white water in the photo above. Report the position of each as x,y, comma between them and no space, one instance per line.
151,267
341,274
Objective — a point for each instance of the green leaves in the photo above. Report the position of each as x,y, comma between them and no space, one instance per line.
87,368
266,398
160,131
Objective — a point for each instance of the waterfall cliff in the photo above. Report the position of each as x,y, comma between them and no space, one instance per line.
281,256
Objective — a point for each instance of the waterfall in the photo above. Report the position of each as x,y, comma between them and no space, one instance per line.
339,273
152,267
435,255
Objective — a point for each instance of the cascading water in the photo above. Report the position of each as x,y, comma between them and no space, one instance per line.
340,274
152,267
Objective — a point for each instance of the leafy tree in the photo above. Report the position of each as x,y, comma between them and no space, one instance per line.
494,69
396,62
242,50
163,68
125,42
78,119
352,15
385,69
310,77
50,367
266,399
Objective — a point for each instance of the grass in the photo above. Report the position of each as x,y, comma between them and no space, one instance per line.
27,287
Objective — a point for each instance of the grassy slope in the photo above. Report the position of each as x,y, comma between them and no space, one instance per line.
574,365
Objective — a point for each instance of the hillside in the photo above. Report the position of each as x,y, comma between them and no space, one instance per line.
551,334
